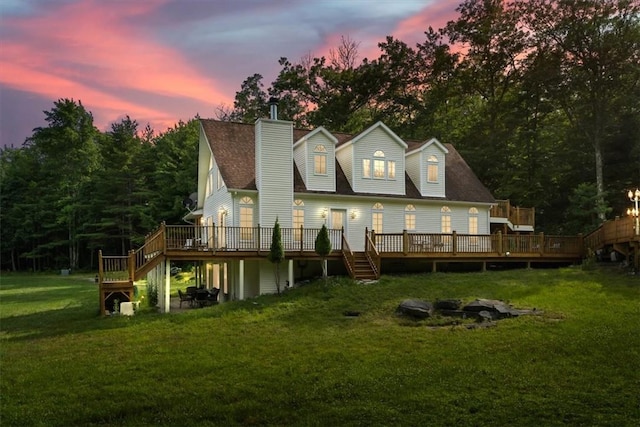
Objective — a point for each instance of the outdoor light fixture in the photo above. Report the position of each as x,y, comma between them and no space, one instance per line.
635,212
353,214
324,213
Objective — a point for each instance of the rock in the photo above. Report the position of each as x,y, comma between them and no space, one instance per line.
415,308
498,309
448,304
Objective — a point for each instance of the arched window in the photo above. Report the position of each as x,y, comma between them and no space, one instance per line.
445,220
376,217
432,169
246,218
379,167
320,160
410,218
473,225
298,218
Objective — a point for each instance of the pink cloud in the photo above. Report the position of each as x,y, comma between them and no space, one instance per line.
409,30
95,52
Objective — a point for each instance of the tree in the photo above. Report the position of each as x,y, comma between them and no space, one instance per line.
323,247
68,154
276,252
594,46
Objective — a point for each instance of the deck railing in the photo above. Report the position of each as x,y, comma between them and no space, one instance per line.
613,231
516,215
500,244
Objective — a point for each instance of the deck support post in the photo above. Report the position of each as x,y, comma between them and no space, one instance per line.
165,304
241,279
290,272
434,268
484,266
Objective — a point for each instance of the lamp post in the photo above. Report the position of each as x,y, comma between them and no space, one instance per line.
635,212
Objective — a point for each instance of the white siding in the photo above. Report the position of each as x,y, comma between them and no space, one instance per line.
415,170
299,156
345,158
433,189
378,139
274,172
320,182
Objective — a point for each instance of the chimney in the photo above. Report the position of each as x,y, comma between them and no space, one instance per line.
273,108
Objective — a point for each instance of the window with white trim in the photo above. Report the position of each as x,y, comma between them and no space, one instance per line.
473,226
377,217
379,167
298,219
320,160
445,220
246,218
366,168
410,218
432,169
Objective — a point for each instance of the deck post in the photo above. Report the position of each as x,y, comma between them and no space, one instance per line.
241,279
290,272
259,242
454,242
165,306
405,242
434,268
484,266
132,266
541,243
499,242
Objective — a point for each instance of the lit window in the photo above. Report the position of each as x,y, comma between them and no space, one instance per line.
246,218
473,224
410,217
376,217
391,169
378,164
366,168
432,169
298,219
320,160
445,222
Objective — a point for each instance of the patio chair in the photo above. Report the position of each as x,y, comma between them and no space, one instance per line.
185,298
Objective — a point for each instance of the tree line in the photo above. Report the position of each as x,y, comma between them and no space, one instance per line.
541,98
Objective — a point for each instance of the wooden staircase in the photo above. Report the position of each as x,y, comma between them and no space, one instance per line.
362,268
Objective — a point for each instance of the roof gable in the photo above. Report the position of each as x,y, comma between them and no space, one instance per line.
362,135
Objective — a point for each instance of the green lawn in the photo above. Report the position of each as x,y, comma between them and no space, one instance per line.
297,360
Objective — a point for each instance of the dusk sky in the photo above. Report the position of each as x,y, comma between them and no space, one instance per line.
161,61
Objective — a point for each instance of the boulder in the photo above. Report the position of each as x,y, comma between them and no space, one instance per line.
498,309
415,308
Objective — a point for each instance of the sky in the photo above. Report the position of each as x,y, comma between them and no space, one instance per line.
162,61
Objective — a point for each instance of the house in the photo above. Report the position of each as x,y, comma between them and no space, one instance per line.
366,184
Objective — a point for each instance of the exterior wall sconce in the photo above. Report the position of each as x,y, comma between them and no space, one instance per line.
354,214
223,211
634,196
323,214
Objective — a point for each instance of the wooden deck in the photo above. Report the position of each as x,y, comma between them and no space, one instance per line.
216,243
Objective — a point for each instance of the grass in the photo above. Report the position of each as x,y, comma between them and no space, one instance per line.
297,360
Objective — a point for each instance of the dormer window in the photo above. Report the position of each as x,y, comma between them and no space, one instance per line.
379,167
432,169
320,160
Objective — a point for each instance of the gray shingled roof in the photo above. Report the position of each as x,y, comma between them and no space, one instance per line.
233,146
